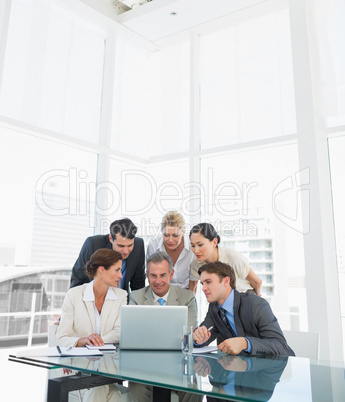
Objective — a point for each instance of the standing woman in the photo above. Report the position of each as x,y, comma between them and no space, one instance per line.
204,241
175,243
91,312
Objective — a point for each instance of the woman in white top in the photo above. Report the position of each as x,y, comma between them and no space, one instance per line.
175,243
204,243
91,312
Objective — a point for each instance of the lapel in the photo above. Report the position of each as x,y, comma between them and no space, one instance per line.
222,329
237,305
91,312
148,296
218,321
106,310
173,297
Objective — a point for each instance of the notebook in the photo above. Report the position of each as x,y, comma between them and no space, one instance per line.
152,327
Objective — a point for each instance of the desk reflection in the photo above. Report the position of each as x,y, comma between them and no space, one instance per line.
241,376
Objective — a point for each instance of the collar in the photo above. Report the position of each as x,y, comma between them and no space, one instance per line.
90,296
228,305
165,297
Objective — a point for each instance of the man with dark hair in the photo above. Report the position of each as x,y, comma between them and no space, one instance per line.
122,239
243,322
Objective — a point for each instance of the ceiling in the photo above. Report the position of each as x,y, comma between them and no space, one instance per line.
159,19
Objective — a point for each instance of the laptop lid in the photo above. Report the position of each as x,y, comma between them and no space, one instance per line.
152,327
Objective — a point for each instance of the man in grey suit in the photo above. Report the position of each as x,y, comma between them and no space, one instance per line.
159,292
244,322
159,274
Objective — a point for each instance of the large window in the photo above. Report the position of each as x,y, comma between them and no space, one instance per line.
246,82
47,207
253,200
53,70
151,98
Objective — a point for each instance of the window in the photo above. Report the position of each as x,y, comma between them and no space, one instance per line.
53,70
151,99
48,203
246,201
246,82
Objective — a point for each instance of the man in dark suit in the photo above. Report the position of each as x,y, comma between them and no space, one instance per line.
243,322
122,239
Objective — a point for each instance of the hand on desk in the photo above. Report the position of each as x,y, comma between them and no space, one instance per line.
92,340
233,346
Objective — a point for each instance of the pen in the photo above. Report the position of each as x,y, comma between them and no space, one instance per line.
58,349
209,329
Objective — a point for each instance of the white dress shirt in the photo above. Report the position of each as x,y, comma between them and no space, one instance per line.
165,297
90,296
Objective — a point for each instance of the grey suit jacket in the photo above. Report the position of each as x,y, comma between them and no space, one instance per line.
177,297
254,320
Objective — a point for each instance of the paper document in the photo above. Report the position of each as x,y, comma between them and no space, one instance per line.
106,346
53,351
205,349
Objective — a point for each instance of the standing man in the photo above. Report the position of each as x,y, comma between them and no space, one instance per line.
122,239
245,322
160,292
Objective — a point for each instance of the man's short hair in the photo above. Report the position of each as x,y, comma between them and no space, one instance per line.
125,227
221,269
158,257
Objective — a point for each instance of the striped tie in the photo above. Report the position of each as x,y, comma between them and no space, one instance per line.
222,313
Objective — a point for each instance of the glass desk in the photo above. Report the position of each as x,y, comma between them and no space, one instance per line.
218,375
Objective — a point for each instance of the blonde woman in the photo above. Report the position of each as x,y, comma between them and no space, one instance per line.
91,312
175,242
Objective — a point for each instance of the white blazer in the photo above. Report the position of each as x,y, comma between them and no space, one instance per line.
78,317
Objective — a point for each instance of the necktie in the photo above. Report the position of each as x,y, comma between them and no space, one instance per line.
222,313
161,301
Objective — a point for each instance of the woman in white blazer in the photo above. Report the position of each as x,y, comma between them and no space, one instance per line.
91,312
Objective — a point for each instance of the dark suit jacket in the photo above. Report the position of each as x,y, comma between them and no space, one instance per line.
135,275
254,320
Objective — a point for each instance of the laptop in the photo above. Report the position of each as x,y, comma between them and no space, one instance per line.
152,327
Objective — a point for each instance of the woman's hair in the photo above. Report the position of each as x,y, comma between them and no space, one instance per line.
173,218
207,230
104,257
